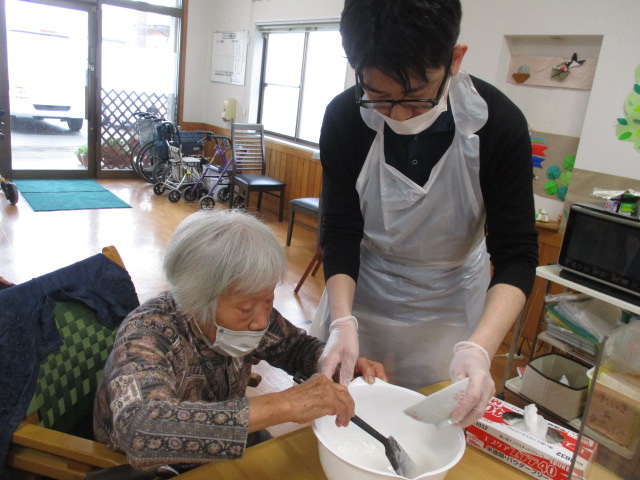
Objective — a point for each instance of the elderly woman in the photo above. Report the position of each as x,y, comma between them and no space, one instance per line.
173,391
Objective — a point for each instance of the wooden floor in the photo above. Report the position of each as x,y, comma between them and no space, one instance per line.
35,243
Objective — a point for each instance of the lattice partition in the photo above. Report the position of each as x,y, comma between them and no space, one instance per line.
118,124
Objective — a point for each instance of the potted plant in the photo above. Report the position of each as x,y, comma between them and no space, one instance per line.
82,153
115,153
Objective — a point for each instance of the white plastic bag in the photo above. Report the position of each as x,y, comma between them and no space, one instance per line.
595,316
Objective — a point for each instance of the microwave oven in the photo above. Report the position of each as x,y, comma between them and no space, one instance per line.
601,249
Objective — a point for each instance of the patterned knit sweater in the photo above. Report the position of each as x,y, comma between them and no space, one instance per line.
166,398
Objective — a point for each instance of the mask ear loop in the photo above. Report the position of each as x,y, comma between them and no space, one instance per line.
201,334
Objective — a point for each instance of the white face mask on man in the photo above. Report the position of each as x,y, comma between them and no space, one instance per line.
233,343
419,123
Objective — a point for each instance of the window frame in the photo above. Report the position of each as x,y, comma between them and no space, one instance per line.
299,27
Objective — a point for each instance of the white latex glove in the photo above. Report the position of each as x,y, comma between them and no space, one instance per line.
471,360
342,349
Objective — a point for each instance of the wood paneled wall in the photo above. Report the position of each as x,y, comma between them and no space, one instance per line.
294,166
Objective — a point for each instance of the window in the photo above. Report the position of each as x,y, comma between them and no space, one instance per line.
302,70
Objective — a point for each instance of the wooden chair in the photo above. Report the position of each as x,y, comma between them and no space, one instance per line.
54,440
249,167
47,443
316,260
307,206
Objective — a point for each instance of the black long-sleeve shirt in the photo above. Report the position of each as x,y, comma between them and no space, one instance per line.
505,179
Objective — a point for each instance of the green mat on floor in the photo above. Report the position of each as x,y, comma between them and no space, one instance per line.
51,195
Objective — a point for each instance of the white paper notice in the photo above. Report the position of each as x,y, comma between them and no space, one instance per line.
229,57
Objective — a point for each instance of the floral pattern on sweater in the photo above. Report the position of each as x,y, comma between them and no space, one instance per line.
166,398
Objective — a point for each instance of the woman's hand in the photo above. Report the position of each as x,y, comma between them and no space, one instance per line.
370,370
315,398
320,396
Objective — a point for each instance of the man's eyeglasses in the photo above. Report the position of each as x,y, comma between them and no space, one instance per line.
418,103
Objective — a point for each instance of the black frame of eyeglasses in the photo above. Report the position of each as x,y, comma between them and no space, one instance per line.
376,104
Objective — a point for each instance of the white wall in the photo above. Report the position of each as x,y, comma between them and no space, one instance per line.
204,98
588,115
233,15
487,21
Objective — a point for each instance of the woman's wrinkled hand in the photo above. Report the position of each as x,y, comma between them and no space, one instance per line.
317,397
370,370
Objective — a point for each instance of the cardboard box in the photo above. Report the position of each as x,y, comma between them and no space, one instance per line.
615,408
548,459
541,384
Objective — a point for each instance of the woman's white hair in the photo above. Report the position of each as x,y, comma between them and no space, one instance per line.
220,252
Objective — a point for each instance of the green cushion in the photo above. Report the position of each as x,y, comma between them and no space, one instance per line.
69,376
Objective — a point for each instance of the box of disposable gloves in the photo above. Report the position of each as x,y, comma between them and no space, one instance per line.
527,441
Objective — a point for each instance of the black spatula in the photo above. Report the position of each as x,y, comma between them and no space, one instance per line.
398,457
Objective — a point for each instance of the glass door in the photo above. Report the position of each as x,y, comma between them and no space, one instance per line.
49,82
139,72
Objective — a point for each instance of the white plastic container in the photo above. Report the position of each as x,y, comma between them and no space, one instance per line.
350,453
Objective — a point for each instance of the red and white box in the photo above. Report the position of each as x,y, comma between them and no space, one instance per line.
547,459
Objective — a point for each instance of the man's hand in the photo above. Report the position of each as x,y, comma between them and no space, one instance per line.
342,349
471,360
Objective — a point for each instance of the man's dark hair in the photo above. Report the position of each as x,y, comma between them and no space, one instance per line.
401,38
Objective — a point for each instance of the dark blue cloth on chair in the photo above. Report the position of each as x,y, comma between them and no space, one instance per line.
28,331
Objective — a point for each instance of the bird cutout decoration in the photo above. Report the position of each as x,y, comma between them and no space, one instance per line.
562,70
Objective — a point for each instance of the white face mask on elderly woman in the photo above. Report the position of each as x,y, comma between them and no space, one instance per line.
233,343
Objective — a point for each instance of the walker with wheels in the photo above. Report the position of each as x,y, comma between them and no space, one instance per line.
182,173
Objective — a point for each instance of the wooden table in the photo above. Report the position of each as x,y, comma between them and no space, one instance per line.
294,456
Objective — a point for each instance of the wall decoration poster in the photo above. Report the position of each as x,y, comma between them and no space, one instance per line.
572,71
553,158
229,57
628,129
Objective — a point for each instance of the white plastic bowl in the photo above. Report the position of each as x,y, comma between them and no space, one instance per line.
350,453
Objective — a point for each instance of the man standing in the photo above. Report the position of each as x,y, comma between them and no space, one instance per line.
426,182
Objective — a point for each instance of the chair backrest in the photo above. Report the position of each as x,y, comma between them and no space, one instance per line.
69,376
58,330
74,315
249,154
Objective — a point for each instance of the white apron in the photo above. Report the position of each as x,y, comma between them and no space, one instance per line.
424,268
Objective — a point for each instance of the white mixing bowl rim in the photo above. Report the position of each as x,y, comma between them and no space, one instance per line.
419,396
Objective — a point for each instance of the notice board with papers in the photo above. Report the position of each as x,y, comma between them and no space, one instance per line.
229,57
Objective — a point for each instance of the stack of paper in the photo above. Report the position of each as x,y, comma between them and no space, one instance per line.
567,331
